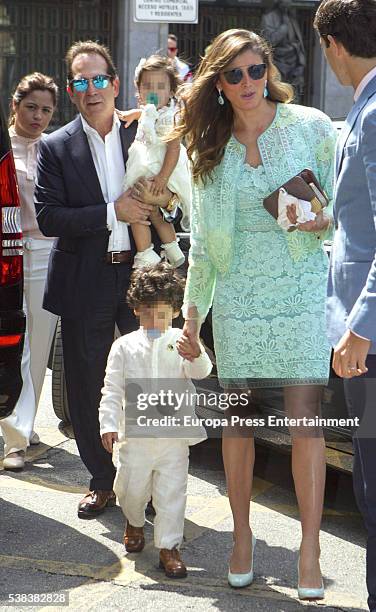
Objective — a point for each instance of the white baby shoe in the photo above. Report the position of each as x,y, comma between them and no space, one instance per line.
147,258
173,254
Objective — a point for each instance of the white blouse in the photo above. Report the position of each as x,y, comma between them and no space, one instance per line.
25,151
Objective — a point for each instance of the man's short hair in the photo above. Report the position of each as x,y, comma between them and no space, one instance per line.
89,46
173,37
350,22
161,283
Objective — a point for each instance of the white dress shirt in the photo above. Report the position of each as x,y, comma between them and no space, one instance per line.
364,82
109,164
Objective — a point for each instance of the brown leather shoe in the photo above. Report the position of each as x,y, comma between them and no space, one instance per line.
95,503
170,561
134,540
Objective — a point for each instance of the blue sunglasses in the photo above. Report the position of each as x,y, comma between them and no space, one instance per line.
100,81
255,72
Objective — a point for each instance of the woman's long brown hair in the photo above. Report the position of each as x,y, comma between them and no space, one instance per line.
207,126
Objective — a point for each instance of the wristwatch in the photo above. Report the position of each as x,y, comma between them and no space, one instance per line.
172,203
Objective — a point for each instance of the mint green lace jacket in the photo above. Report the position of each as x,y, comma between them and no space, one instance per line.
299,137
267,286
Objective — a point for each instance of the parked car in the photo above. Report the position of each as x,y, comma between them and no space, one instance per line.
12,317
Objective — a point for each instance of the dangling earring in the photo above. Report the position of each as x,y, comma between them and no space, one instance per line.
266,90
220,98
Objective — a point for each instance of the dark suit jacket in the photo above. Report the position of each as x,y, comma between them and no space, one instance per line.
70,205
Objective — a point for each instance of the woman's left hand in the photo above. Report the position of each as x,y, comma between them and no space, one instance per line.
317,225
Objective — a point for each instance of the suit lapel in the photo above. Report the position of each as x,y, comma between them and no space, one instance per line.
79,150
366,94
127,136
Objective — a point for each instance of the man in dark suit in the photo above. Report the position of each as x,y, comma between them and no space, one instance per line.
80,199
347,31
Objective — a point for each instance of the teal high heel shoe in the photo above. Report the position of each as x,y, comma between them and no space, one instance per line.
308,592
242,580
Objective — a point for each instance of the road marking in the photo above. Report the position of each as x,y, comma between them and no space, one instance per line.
29,481
67,568
123,573
90,591
128,570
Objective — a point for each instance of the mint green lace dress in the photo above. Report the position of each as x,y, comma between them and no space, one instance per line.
267,287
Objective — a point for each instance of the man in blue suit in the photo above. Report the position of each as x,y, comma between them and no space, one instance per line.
80,200
347,31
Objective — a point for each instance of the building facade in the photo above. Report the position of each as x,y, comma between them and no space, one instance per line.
34,35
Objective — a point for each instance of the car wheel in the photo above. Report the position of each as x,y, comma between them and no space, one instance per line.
59,391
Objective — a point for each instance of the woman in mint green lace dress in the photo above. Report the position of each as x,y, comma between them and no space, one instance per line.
266,287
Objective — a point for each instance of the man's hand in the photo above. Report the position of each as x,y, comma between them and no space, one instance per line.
108,440
350,355
143,191
130,210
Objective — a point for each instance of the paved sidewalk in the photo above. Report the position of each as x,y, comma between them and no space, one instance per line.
45,549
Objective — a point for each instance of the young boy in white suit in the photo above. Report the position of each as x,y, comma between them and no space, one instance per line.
154,437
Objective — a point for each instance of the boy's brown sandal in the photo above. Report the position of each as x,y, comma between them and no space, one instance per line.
170,561
134,540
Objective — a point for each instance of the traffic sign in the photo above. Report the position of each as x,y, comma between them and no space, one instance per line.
166,11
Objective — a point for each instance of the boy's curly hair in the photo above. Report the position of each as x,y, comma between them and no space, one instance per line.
161,283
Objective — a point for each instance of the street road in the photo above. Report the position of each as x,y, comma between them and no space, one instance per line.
46,551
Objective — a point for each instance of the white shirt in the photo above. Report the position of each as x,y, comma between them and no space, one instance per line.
109,163
149,366
364,82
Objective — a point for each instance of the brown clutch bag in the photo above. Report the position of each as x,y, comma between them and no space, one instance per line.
303,186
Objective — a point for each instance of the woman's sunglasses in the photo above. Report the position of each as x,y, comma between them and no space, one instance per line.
255,72
100,81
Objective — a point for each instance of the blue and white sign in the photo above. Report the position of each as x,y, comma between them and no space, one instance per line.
166,11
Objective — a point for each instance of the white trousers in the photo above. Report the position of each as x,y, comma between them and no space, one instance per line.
41,325
158,469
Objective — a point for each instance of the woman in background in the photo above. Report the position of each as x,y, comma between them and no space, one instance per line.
32,106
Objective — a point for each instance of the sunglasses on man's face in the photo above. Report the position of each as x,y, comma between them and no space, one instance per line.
255,72
100,81
172,48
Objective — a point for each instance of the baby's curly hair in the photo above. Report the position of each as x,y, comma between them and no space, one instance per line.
161,283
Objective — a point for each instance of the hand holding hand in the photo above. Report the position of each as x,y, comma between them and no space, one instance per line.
350,354
188,344
108,440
